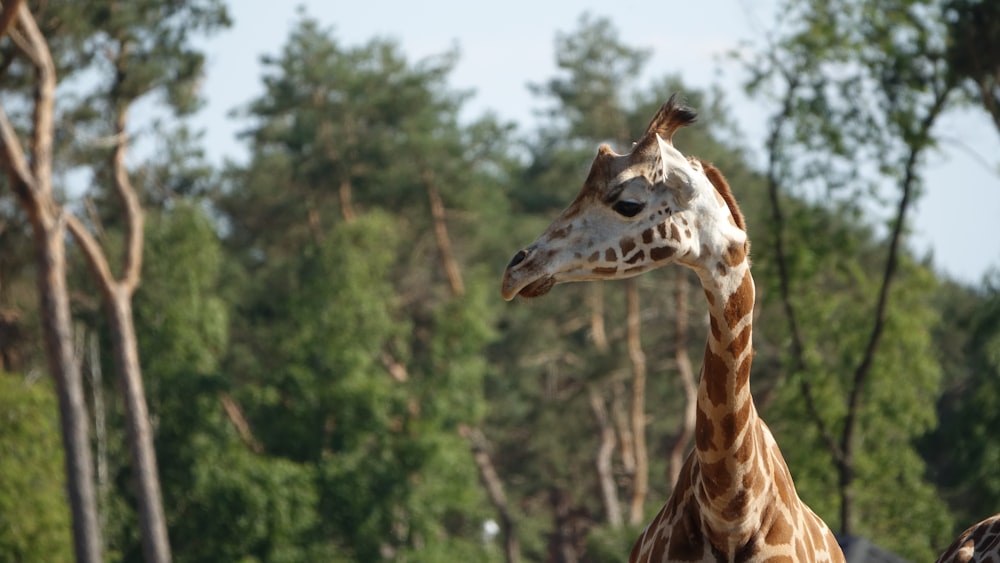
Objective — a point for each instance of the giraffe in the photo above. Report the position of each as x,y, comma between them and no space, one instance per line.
979,544
735,499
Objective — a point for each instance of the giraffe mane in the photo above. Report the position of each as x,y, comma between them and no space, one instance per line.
722,186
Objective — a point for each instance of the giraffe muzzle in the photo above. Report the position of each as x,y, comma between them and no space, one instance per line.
521,278
518,258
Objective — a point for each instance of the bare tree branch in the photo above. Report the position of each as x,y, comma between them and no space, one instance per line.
239,421
92,252
638,359
494,489
16,164
32,182
798,362
132,264
605,476
863,370
684,369
441,235
8,13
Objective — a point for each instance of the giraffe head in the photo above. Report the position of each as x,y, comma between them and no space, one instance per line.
636,212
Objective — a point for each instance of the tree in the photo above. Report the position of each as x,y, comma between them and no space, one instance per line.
580,357
973,47
34,521
850,87
962,450
32,184
145,48
358,325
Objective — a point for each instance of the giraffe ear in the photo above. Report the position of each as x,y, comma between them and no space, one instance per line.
671,117
675,169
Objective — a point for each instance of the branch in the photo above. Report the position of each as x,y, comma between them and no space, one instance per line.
605,476
441,235
863,370
494,489
781,258
7,15
240,423
686,372
91,251
132,267
37,50
15,164
638,407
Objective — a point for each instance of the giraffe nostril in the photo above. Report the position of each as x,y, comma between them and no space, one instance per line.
518,258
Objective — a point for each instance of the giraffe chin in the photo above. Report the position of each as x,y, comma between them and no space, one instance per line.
538,287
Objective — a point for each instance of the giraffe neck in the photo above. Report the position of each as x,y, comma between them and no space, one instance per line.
728,441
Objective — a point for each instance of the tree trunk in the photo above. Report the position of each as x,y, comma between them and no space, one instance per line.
562,541
605,476
619,413
638,359
33,186
441,236
48,234
494,490
683,361
595,297
156,547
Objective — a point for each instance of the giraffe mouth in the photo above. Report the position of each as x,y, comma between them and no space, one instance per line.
538,287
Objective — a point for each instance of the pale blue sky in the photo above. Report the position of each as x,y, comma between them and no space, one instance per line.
506,45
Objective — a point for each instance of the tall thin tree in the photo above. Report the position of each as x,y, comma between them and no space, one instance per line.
31,181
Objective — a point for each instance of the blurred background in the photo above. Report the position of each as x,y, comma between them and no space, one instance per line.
310,310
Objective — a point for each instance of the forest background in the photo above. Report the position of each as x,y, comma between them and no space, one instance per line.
303,356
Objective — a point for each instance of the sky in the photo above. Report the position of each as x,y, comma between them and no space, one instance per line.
504,46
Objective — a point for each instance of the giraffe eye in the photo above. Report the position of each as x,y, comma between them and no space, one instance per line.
628,207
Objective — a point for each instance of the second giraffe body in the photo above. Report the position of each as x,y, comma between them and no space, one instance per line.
735,499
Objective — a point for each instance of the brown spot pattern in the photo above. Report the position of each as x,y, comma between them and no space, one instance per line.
716,477
734,254
715,378
561,233
638,256
980,542
727,430
713,325
661,252
780,532
703,430
686,543
626,245
662,229
741,301
737,506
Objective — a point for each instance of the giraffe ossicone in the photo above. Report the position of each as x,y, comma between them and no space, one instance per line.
735,499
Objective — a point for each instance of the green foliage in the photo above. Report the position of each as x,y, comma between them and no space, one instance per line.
309,364
34,518
832,255
859,85
242,507
969,342
343,373
177,301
